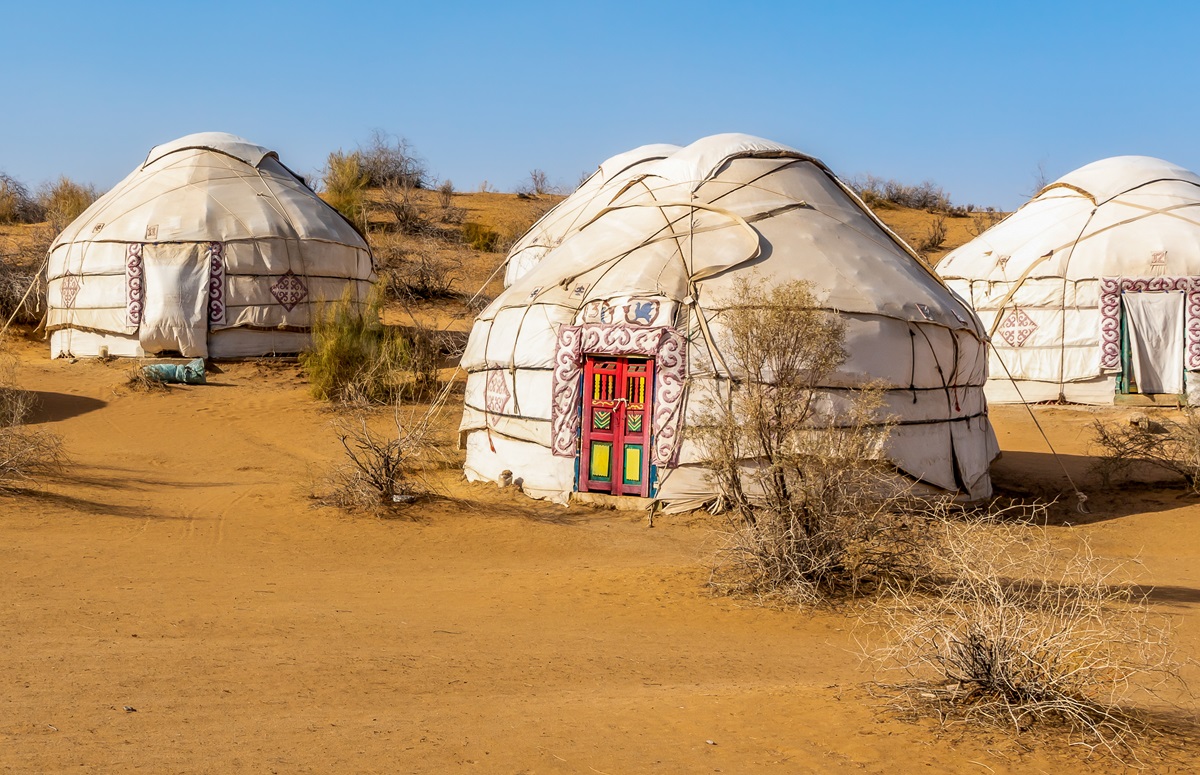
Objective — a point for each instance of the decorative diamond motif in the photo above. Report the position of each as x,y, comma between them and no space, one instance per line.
633,423
289,290
496,393
603,420
1017,327
69,288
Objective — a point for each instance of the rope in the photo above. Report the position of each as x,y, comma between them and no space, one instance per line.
1081,505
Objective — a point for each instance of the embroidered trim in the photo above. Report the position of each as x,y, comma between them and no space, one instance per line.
134,284
216,283
1111,289
667,346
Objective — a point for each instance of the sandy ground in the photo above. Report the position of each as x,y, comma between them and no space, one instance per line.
181,569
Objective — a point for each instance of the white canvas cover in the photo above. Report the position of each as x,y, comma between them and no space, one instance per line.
1050,281
641,259
211,233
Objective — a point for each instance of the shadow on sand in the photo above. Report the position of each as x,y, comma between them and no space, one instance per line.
52,407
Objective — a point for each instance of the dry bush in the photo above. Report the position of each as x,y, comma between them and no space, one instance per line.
814,511
17,205
1020,633
22,281
1170,445
408,214
446,194
387,160
935,237
137,381
22,293
417,273
878,191
537,185
450,213
25,453
983,220
64,200
355,359
379,472
345,184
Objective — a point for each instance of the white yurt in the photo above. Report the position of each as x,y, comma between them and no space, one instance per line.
622,285
1091,290
211,247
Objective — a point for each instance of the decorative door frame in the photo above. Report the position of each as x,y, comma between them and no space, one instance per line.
666,345
1111,289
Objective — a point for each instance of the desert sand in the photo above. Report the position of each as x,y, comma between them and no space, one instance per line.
175,602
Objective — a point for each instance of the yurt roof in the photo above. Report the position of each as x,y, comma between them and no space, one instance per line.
210,186
726,202
1108,218
1103,180
221,142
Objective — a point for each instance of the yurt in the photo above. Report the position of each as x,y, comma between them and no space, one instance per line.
211,247
626,277
1091,290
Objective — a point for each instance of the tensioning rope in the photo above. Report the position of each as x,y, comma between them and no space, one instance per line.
1081,504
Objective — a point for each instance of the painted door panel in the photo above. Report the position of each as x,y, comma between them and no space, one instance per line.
617,398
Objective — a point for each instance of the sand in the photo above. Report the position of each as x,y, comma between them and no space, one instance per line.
177,603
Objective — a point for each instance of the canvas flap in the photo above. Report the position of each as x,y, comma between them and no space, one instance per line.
1155,325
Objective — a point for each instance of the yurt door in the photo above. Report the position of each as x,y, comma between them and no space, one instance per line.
617,397
1153,342
176,299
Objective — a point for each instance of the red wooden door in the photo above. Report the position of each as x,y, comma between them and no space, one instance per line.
614,456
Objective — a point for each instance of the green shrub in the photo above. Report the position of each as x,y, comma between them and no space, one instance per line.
65,200
345,186
480,237
355,358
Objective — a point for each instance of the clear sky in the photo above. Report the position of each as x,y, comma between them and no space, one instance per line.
971,95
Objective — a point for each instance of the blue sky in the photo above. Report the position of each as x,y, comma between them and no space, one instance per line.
973,96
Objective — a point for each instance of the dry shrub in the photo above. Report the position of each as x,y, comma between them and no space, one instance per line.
814,511
64,200
1021,633
983,220
345,184
417,273
137,381
387,160
1170,445
25,453
450,213
537,185
446,194
17,205
408,215
935,237
380,472
356,359
22,293
875,191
